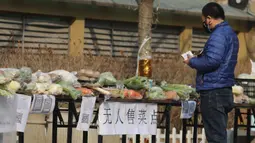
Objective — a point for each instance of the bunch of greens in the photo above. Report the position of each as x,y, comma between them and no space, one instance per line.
137,83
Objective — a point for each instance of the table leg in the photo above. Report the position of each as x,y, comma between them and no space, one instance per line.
70,123
54,124
195,126
1,138
184,130
137,139
100,139
236,125
21,137
153,139
85,137
248,125
167,134
124,139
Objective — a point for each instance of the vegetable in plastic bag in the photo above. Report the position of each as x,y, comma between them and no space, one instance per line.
41,88
136,83
237,90
107,79
11,73
55,89
30,87
156,93
132,94
13,86
3,79
5,93
25,75
71,91
66,76
183,91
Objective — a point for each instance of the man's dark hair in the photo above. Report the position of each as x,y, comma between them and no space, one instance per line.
213,10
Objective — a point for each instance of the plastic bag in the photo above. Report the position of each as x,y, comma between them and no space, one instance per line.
11,73
41,88
41,77
107,79
156,93
3,79
66,76
71,91
25,75
55,89
137,83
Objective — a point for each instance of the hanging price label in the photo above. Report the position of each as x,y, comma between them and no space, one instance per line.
23,108
42,104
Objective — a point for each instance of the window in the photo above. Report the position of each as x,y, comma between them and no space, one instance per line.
34,32
118,39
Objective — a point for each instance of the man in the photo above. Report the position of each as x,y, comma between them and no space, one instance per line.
215,72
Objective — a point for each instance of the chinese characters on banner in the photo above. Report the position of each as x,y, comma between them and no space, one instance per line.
117,118
86,113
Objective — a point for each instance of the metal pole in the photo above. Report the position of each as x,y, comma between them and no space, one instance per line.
124,138
167,135
70,123
85,137
1,137
21,137
55,124
195,126
248,125
137,138
235,125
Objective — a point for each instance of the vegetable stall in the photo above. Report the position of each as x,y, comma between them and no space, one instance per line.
71,87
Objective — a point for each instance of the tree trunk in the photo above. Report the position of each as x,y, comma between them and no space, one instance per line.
144,32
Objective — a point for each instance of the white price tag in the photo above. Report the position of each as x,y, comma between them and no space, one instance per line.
23,108
86,113
8,108
43,104
188,108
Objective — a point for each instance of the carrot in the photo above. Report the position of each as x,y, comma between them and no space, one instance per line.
172,95
85,91
131,94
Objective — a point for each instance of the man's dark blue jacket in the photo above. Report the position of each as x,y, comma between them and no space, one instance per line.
215,67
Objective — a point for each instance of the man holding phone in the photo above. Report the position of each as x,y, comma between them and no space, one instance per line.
215,72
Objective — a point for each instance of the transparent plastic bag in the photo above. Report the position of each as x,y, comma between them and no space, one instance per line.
8,110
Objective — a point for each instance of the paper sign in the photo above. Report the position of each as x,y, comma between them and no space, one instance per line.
23,108
117,118
188,108
8,108
185,55
86,113
42,104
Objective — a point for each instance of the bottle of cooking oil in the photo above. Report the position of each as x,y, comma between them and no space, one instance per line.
145,59
145,68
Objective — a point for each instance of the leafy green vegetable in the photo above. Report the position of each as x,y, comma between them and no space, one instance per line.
183,91
70,90
156,93
107,79
137,83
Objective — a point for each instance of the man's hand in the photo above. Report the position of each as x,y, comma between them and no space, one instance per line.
188,59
